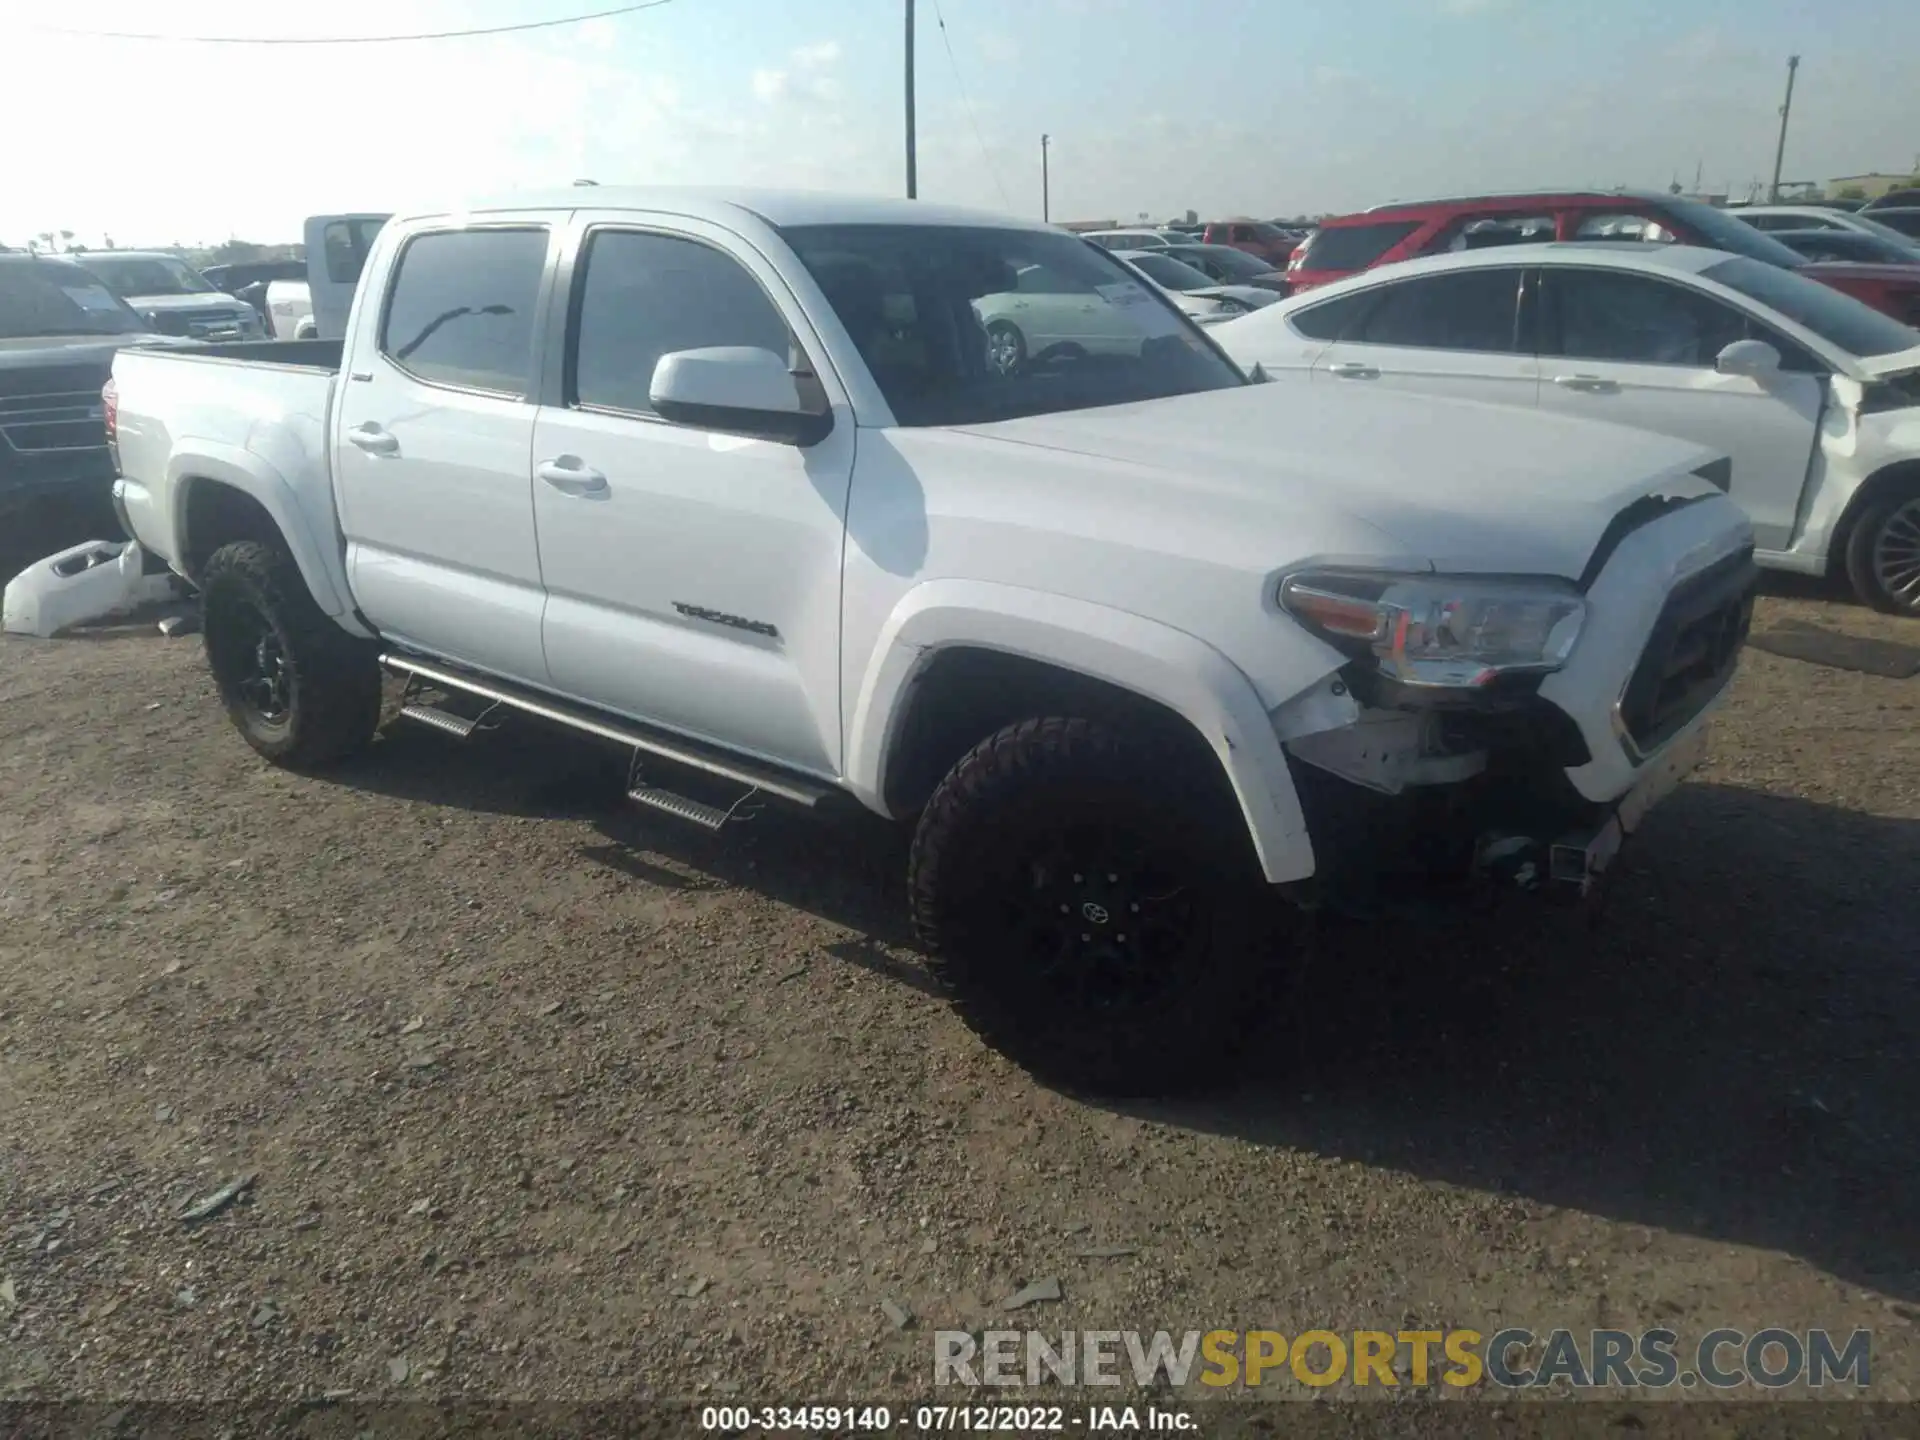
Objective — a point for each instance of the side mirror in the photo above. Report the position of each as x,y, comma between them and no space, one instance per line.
736,388
1754,359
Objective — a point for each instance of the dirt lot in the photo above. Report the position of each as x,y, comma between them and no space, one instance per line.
550,1099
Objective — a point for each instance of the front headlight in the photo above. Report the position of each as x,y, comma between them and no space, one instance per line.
1441,631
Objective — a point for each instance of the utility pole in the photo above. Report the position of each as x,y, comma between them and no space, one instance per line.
1046,210
913,172
1780,153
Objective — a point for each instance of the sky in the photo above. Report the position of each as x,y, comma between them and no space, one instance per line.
1264,107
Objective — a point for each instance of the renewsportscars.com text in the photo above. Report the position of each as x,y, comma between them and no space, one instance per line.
1513,1359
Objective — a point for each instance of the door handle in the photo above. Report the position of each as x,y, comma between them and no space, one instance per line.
570,475
1591,384
372,439
1354,370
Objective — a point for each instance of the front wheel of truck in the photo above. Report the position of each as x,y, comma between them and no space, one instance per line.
1088,897
300,689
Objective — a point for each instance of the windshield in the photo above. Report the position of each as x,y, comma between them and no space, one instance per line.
41,298
961,325
1234,262
1172,273
148,275
1267,233
1838,319
1721,231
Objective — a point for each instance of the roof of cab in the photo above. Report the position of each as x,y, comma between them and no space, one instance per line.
779,208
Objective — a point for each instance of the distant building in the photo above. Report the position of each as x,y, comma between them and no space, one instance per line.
1077,226
1871,186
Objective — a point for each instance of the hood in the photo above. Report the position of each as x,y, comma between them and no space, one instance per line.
33,352
209,300
1885,367
1470,487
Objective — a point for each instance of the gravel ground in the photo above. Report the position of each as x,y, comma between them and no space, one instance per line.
543,1098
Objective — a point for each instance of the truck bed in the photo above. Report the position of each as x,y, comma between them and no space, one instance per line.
246,412
298,354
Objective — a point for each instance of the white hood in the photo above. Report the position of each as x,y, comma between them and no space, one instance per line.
1885,367
1469,487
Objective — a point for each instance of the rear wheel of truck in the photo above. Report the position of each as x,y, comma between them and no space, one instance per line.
299,688
1089,899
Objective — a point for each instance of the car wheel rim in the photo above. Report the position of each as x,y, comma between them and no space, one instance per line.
258,664
1003,349
1103,917
1896,555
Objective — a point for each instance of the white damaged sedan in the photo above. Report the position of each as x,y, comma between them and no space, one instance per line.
1814,396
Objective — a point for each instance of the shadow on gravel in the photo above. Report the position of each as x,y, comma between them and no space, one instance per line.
1731,1054
849,869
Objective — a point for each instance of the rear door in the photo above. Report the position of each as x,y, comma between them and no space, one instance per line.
1458,333
1639,350
433,435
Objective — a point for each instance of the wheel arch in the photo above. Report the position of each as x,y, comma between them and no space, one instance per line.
222,494
959,659
1868,492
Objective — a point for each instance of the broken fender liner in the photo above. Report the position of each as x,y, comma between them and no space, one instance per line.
88,581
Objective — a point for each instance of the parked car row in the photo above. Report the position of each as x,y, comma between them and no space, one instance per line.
1385,234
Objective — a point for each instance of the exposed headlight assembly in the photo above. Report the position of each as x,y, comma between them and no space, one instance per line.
1443,632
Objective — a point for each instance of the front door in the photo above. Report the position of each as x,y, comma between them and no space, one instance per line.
693,576
1457,333
1639,350
433,432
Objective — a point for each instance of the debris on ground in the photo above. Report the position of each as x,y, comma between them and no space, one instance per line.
1039,1292
220,1199
897,1314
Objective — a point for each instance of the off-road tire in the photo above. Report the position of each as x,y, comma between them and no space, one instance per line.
1043,775
331,679
1862,543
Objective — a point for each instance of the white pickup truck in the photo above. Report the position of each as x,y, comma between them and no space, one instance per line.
1136,644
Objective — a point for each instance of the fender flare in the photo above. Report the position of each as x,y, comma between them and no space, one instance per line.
1156,661
324,573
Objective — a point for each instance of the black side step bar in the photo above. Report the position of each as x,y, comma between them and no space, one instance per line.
799,789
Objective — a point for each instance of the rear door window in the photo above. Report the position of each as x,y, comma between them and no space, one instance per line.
460,308
1623,225
1333,319
1464,310
1481,232
1354,247
346,243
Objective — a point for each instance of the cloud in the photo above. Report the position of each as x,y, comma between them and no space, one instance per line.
806,76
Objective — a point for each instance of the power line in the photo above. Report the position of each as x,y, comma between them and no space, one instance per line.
348,39
967,101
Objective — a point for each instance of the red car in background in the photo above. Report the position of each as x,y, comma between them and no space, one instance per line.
1346,244
1256,237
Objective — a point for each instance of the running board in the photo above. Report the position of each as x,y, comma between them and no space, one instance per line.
707,817
799,789
457,726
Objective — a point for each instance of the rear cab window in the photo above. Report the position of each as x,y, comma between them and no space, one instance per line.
1354,247
461,307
